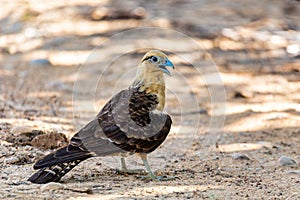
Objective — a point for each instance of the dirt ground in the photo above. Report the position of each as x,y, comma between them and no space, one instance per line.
236,127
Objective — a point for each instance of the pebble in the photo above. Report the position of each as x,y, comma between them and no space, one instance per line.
12,160
32,33
231,33
52,186
3,150
18,130
285,161
242,94
294,172
240,156
293,49
40,61
12,28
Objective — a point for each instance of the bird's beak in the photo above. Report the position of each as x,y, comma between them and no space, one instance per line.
164,66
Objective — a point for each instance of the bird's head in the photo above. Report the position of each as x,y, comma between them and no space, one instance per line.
155,61
150,77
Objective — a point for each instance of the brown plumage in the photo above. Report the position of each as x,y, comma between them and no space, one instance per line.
132,122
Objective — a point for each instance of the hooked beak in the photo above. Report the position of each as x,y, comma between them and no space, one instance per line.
164,66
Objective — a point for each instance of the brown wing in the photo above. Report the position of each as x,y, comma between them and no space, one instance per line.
126,123
130,122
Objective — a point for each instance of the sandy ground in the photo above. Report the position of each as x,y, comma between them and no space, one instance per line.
52,82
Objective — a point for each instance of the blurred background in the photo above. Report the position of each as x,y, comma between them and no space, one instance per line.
254,44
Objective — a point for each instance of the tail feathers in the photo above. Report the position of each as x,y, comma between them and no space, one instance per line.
62,155
53,173
55,165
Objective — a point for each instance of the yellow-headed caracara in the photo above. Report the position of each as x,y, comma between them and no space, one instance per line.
132,122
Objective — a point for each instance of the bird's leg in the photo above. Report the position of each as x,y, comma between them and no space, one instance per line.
124,168
147,166
128,171
150,173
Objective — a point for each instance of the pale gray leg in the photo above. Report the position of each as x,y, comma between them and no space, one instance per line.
147,166
123,163
150,173
128,171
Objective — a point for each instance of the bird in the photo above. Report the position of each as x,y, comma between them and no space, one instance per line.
133,121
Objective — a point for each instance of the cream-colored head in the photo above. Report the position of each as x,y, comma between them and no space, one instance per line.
152,67
155,61
150,72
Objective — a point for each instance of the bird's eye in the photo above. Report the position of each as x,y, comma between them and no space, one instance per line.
154,59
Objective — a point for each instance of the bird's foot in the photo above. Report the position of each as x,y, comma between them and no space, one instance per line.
158,178
130,171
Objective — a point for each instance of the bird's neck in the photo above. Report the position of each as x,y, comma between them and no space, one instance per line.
152,83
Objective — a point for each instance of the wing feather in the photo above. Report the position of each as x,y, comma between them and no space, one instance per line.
129,120
126,123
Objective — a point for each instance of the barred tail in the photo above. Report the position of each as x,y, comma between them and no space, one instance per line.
55,165
53,173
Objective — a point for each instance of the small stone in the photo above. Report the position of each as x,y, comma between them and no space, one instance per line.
285,161
18,130
3,150
294,172
242,95
139,13
52,186
231,33
293,49
12,160
240,156
40,61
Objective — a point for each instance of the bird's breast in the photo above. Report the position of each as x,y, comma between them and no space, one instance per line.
159,91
